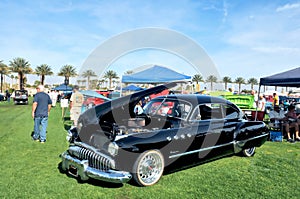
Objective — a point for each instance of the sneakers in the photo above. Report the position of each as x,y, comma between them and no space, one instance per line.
35,139
38,140
298,139
290,140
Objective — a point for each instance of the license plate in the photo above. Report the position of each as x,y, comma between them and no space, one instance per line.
73,171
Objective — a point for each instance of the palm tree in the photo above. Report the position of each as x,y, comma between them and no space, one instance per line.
3,71
36,83
110,75
94,84
212,79
22,67
197,78
101,81
128,72
226,80
67,71
240,81
42,71
88,74
252,81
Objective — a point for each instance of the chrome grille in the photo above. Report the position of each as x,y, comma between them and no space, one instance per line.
95,159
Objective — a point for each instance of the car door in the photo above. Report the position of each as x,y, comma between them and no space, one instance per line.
214,132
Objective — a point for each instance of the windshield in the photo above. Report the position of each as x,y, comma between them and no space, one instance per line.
156,108
172,108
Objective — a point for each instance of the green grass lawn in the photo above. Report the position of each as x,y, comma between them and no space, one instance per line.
29,169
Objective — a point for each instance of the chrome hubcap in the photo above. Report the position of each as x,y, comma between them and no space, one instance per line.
150,168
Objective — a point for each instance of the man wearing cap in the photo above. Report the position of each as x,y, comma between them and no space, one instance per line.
76,101
40,111
277,115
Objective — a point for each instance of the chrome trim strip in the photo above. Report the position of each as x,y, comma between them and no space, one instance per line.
218,146
238,145
200,150
253,138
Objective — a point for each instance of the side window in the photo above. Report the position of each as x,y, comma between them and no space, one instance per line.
216,111
207,112
182,109
196,114
230,112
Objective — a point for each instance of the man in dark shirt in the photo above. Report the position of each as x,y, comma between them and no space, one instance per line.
40,111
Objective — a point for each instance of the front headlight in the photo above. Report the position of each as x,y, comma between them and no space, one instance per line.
113,149
72,134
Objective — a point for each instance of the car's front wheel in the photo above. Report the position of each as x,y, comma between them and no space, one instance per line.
249,152
148,168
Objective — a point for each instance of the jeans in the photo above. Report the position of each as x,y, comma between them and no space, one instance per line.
40,127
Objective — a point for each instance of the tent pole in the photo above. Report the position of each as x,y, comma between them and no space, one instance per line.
257,102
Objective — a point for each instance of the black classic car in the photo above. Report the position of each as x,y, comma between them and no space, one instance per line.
114,144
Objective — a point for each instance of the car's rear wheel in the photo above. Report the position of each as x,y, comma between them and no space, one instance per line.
148,168
249,152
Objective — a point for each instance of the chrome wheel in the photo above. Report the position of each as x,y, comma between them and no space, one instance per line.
249,152
148,168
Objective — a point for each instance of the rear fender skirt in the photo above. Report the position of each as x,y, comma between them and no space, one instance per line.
250,134
243,144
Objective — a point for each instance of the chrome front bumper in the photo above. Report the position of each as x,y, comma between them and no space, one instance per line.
80,168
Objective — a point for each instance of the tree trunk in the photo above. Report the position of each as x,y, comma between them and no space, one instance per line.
21,81
1,83
42,79
88,83
110,80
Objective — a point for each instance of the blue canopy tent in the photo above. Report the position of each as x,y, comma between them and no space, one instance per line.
132,88
63,87
155,74
290,78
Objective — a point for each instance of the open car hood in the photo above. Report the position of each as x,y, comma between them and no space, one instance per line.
105,117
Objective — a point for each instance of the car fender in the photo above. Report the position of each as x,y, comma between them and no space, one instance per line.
250,134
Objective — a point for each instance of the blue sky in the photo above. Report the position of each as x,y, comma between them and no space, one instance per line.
243,38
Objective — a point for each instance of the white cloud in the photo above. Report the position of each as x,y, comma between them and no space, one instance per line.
285,50
288,7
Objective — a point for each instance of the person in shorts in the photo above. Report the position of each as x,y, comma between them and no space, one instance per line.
76,102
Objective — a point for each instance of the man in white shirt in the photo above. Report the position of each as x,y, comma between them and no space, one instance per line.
277,116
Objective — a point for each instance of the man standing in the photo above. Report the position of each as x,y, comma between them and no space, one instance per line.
53,96
275,100
7,96
40,111
76,102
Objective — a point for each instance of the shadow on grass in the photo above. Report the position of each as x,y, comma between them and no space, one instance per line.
188,163
90,181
